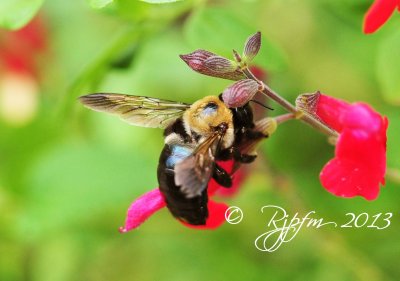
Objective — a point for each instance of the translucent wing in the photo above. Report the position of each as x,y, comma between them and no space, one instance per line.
194,172
137,110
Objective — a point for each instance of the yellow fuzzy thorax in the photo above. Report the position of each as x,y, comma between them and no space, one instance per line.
201,120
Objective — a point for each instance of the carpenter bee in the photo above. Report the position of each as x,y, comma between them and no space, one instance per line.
196,136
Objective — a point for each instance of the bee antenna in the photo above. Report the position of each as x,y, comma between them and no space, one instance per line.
263,105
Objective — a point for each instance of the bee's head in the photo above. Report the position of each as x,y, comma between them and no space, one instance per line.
207,115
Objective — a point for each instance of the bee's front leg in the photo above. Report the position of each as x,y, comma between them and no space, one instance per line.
221,176
235,154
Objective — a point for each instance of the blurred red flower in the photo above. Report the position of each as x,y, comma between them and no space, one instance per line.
149,203
19,49
379,13
359,165
19,85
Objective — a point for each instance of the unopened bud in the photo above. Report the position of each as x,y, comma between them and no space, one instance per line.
251,47
220,64
216,66
240,93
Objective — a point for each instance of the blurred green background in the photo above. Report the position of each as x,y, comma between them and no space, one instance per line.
68,175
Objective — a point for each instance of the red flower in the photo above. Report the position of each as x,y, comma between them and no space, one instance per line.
20,49
149,203
19,84
359,165
379,13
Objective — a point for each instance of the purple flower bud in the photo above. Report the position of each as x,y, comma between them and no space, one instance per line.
197,62
220,64
252,46
240,93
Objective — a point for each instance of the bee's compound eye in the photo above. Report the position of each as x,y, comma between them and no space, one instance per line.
211,105
210,108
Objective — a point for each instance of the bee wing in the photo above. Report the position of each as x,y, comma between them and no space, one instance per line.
137,110
194,172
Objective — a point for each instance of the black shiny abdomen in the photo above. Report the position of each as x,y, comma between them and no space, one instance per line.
194,210
191,210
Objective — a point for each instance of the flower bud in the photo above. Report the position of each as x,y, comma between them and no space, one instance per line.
216,66
240,93
251,47
220,64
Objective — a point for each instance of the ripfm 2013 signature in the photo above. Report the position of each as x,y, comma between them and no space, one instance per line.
281,228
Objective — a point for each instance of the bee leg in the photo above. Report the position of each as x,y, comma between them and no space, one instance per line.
225,154
243,158
255,135
246,158
221,176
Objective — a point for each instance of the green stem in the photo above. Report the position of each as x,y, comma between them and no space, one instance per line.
393,174
284,117
310,120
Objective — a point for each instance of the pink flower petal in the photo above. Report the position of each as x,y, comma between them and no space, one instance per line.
20,49
359,165
378,14
258,72
358,168
146,205
142,208
216,216
331,111
361,116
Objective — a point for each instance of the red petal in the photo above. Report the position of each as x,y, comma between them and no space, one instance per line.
216,216
258,72
378,14
361,116
359,165
331,111
342,179
20,49
213,186
142,208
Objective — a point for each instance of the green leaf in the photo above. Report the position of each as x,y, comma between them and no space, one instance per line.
160,1
219,31
388,70
16,13
98,4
